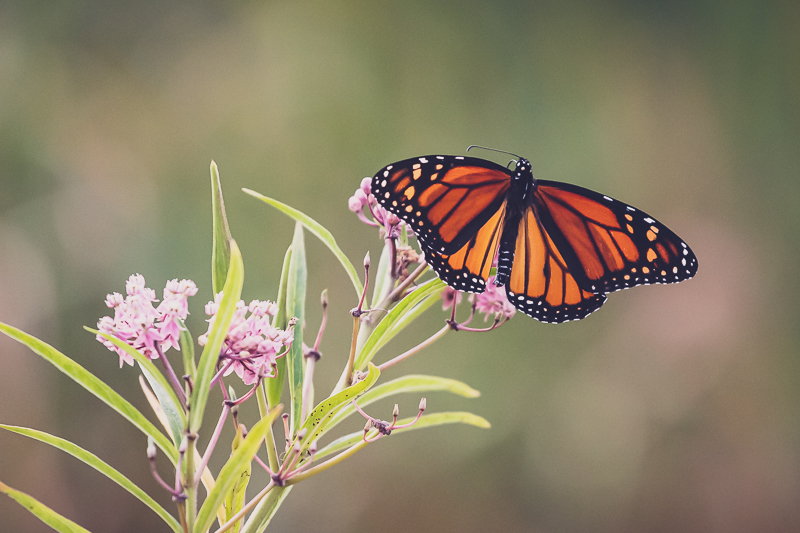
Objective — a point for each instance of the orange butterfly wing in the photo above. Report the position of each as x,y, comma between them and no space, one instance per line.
608,245
445,200
541,285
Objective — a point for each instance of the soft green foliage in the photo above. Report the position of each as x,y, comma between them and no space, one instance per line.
434,419
295,308
399,317
94,385
208,359
42,512
99,465
166,396
316,228
221,247
319,419
226,500
231,472
410,383
275,385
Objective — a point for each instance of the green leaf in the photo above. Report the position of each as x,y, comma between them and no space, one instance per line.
324,235
42,512
234,501
266,509
221,250
434,419
383,279
173,412
187,351
399,317
275,384
99,465
295,307
208,359
319,419
93,384
231,472
410,383
161,387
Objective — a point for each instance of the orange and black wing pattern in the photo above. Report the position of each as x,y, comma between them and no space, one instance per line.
609,245
456,207
541,284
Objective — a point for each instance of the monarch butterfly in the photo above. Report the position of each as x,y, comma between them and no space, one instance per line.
562,247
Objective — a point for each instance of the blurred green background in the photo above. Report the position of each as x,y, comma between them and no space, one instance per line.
674,408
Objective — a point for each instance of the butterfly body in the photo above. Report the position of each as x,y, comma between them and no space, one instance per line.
560,248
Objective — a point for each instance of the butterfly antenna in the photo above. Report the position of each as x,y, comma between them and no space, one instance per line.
491,150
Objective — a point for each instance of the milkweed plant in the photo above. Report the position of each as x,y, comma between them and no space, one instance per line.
262,344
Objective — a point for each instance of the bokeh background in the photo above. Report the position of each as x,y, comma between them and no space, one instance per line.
674,408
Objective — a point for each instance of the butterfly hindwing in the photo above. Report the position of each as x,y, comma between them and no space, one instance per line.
446,200
541,284
607,244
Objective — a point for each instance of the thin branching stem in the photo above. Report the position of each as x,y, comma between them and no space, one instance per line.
213,442
246,509
424,344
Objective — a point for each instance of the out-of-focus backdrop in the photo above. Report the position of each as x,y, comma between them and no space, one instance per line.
674,408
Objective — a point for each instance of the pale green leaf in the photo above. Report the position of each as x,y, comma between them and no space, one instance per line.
319,419
410,383
296,307
399,317
221,249
208,359
266,509
42,512
323,234
99,465
434,419
93,384
275,384
161,387
230,473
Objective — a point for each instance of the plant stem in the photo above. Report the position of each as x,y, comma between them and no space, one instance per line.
424,344
246,509
327,464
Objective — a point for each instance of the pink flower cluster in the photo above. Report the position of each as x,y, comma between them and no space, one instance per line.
362,199
137,322
252,345
493,301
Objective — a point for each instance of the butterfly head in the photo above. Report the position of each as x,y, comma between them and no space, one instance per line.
522,180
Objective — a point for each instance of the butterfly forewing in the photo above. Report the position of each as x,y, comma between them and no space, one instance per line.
607,244
541,284
446,200
468,269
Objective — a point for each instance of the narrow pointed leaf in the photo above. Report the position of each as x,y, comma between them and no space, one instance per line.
410,383
234,501
295,307
99,465
431,420
382,277
229,475
187,350
318,420
221,250
275,385
266,509
322,234
161,387
42,512
402,314
93,384
208,359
